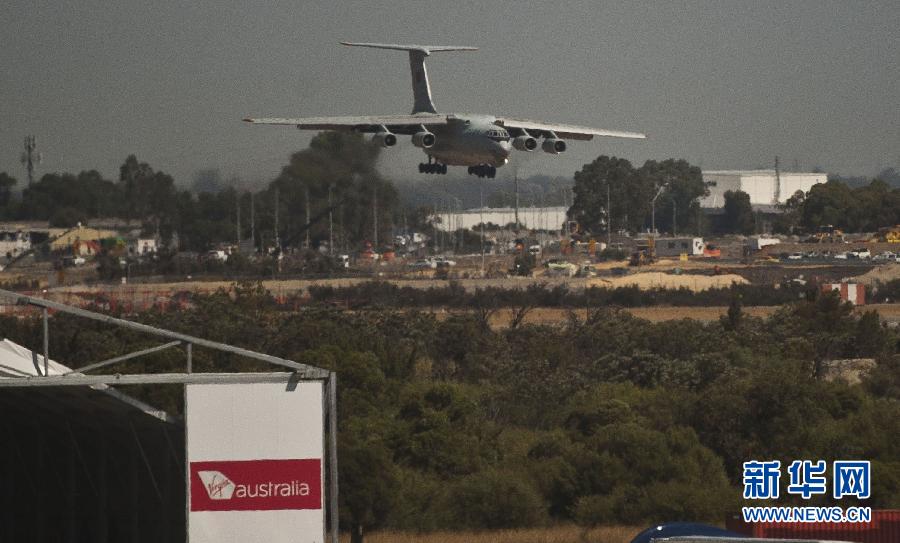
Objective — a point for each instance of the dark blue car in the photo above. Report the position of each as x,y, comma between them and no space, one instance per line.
673,529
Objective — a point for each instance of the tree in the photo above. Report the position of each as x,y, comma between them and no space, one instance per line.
683,189
68,198
6,185
208,180
790,216
738,212
631,192
733,320
827,203
147,194
629,199
344,165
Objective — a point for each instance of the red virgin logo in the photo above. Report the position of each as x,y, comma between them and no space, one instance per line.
256,485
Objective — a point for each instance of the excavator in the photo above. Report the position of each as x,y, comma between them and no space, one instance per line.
827,234
644,252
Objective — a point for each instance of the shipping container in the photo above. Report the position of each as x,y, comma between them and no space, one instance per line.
884,528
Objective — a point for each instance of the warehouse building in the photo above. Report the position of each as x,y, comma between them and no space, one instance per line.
765,187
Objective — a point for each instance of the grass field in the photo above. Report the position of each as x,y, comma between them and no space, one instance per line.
558,534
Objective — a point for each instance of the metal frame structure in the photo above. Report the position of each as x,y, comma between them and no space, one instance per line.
78,377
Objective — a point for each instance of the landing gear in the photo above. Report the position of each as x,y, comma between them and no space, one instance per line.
483,170
440,169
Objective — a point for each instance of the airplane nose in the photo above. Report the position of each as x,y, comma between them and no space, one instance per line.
501,150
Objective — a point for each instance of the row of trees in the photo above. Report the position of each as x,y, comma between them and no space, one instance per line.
451,424
336,172
671,184
676,187
865,208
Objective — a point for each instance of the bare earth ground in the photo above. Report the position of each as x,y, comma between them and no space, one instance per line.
553,316
696,275
560,534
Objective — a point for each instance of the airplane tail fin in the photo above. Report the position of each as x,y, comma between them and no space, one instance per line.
417,54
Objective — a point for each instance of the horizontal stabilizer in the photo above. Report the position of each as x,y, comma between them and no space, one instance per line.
427,49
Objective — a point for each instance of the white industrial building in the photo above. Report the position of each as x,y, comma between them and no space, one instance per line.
765,187
12,244
532,218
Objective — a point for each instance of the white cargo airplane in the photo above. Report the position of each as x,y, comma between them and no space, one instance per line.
481,142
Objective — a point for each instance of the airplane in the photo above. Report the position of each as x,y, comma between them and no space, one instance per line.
481,142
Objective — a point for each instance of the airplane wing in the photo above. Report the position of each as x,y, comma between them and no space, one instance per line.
398,124
564,131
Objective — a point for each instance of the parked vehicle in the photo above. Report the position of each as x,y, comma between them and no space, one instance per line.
795,256
424,264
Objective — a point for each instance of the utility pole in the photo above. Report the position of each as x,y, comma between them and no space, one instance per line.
237,202
608,218
434,229
30,158
542,222
481,219
306,198
777,198
517,198
375,214
277,239
673,217
330,223
252,222
341,237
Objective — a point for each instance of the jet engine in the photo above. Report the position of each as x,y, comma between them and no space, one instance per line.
385,139
554,146
525,143
423,139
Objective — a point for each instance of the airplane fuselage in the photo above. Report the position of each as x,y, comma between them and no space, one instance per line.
470,140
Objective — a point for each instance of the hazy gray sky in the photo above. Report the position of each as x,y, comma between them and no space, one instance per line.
721,84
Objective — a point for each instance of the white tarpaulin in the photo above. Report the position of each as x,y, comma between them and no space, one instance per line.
17,361
255,462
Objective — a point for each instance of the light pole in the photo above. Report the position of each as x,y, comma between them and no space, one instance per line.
673,217
455,218
653,207
481,220
608,219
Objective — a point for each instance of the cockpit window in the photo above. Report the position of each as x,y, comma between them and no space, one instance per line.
499,135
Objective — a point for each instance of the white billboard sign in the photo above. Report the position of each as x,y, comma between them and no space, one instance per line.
255,462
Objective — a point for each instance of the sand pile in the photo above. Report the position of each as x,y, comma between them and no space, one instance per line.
650,280
879,274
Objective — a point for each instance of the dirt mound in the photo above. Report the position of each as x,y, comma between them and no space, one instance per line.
650,280
879,274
